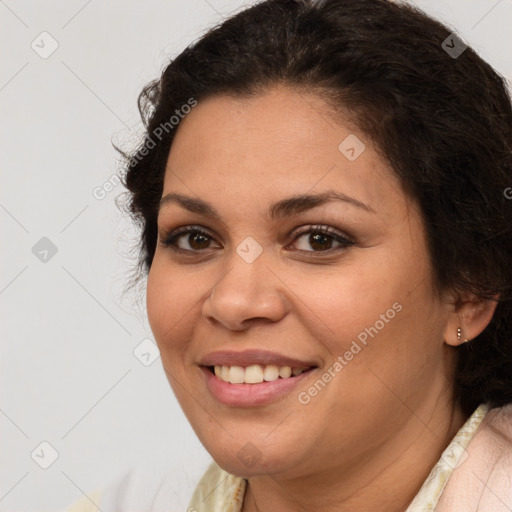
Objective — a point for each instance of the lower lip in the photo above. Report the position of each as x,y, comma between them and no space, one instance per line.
250,395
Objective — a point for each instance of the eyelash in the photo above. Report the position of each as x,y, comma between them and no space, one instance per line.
169,239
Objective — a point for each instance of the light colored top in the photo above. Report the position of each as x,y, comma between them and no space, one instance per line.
473,473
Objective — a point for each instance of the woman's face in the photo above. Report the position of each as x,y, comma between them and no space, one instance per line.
266,289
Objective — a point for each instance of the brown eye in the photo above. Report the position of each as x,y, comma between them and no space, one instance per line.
321,239
316,240
198,241
190,239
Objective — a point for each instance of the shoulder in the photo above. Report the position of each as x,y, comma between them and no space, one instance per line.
218,491
483,474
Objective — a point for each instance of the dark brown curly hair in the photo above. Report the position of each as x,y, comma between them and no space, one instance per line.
442,121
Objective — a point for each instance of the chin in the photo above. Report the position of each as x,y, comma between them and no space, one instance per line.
248,459
249,469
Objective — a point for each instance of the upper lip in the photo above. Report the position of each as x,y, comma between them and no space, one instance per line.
249,357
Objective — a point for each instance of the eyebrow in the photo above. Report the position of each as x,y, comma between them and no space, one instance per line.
280,209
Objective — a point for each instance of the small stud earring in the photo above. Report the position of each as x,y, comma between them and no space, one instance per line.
459,335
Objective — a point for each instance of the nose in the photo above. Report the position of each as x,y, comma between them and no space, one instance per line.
248,293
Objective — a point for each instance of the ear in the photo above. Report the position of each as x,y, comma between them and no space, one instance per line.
471,315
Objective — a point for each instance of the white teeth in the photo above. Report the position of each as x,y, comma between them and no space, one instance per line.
285,372
271,372
236,375
255,373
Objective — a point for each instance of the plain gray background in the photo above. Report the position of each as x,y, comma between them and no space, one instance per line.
69,375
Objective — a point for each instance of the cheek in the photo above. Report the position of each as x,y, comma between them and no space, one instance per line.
343,305
376,312
169,300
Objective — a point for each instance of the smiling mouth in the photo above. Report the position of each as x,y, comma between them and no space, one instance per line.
255,373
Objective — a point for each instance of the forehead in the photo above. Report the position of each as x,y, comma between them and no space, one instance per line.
281,142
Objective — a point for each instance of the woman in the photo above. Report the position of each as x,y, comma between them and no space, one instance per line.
326,233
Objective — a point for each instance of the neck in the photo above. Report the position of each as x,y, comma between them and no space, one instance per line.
387,479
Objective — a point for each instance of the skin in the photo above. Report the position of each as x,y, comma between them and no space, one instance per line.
369,438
